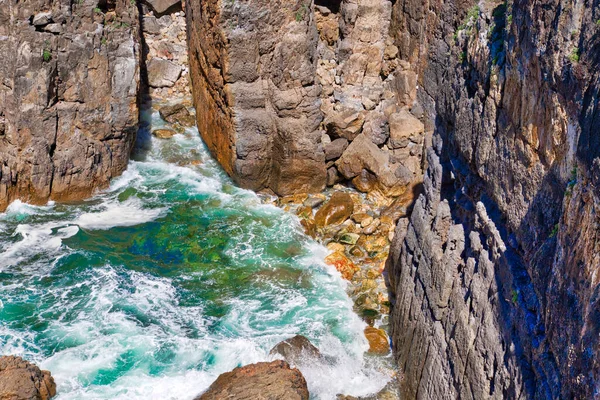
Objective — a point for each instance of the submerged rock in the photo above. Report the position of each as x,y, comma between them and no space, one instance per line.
22,380
296,350
338,209
273,381
164,133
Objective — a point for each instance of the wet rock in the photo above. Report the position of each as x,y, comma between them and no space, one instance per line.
310,228
378,341
336,210
372,227
343,264
335,149
348,238
297,350
365,181
21,380
333,246
274,380
162,73
164,133
177,114
314,201
360,217
304,212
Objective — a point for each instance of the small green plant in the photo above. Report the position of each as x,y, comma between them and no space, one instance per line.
598,22
132,2
301,13
97,10
575,54
46,55
103,40
574,34
462,56
554,231
473,13
509,20
515,296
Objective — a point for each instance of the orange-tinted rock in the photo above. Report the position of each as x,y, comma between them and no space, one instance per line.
21,380
274,380
338,209
378,341
343,264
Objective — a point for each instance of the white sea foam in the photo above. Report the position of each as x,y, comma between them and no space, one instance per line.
118,214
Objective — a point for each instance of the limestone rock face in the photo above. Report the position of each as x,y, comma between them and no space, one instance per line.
253,76
68,98
21,380
495,271
261,381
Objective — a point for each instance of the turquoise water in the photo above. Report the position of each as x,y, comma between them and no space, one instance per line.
168,278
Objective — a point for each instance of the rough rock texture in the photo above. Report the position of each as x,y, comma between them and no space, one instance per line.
21,380
297,350
494,275
281,88
252,68
261,381
68,96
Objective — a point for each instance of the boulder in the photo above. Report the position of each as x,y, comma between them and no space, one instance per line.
164,133
345,124
162,6
150,25
296,350
378,341
273,381
342,264
338,209
335,149
162,73
177,114
22,380
405,128
41,19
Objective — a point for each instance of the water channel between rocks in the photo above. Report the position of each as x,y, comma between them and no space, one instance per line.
169,278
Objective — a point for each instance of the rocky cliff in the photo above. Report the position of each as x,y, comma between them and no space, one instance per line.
68,96
494,275
294,95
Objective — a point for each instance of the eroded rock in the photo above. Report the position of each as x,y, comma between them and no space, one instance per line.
21,380
274,380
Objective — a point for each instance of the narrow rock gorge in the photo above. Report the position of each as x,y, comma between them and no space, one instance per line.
473,127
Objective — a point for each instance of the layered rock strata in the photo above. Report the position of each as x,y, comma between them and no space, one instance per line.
494,274
68,96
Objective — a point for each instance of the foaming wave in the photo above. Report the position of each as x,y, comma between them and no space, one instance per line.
119,214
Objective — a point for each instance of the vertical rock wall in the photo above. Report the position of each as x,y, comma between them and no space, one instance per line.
495,272
253,75
68,96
